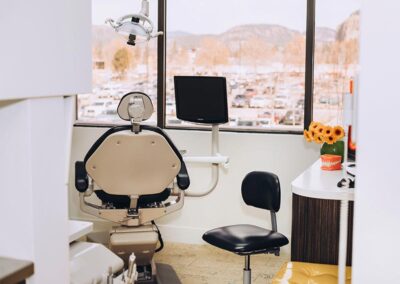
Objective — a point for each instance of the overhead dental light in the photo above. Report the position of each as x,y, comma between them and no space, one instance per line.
138,27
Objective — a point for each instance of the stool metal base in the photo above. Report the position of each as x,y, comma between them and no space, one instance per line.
247,270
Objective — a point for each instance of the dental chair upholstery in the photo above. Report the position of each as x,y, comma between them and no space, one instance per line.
138,175
123,201
261,190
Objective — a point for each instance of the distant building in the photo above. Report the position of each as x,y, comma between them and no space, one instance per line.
99,64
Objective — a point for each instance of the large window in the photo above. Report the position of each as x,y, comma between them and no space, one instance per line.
117,67
258,45
335,56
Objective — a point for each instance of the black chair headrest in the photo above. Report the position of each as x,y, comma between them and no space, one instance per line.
262,190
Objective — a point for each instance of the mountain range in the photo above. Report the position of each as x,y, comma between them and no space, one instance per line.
272,34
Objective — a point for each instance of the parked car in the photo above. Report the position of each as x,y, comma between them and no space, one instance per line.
300,104
265,114
170,107
323,100
233,121
334,100
111,109
260,102
250,92
240,101
97,108
292,118
264,122
280,103
247,123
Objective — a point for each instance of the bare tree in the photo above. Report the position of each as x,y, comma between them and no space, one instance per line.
295,51
121,62
257,52
178,56
212,52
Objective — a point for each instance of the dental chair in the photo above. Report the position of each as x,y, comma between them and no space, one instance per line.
137,175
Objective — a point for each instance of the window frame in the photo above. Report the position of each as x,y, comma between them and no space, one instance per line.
161,79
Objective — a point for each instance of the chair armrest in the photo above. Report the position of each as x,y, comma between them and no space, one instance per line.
81,177
182,178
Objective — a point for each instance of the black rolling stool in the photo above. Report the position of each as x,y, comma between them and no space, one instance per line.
261,190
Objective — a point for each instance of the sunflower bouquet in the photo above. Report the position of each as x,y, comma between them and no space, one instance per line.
332,150
320,133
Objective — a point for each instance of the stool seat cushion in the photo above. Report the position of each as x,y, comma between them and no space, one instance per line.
304,272
245,239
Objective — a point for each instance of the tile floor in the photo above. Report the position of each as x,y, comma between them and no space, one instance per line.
203,264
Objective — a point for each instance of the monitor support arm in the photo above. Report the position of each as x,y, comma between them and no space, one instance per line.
216,159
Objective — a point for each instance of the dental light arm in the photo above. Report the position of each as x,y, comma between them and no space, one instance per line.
138,26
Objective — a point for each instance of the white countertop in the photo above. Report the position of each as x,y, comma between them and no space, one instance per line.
316,183
78,229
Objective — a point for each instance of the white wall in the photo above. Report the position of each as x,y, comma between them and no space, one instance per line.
34,210
285,155
44,48
377,211
45,53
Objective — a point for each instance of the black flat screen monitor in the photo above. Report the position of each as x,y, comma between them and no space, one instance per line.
201,99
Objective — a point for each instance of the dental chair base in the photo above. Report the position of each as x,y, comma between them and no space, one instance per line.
139,240
123,241
142,242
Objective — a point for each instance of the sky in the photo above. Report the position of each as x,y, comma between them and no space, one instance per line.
217,16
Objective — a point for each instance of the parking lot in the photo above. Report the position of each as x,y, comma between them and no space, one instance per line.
267,101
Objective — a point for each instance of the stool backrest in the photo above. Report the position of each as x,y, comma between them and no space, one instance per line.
262,190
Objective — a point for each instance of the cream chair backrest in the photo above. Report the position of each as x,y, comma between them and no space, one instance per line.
133,164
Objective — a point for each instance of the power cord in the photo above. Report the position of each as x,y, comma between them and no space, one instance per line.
160,239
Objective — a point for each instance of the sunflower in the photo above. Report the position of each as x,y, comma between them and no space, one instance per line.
319,139
327,131
320,130
338,132
313,134
329,139
307,136
313,125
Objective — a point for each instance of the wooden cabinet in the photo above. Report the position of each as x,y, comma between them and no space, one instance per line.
315,230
